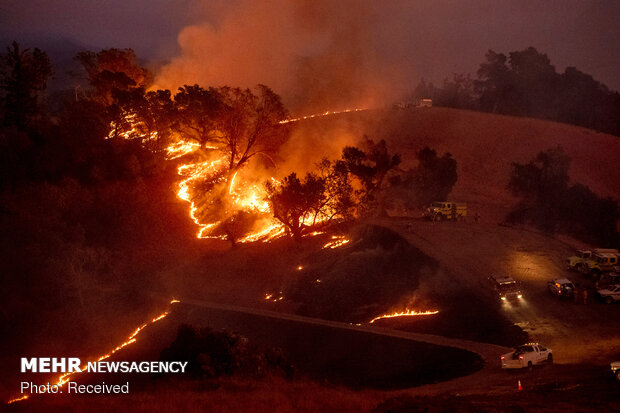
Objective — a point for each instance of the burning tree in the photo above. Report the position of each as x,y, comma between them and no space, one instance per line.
249,125
295,201
196,111
238,225
148,117
231,126
339,199
235,122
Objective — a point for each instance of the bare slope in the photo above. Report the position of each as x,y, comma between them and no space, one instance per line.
483,144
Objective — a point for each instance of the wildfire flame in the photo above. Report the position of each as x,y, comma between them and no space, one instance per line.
19,399
337,241
405,313
63,379
244,195
134,132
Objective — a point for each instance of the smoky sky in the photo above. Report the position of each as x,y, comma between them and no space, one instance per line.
320,50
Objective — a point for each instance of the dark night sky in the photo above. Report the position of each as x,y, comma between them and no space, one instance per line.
421,38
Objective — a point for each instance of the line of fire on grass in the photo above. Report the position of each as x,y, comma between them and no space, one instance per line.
63,379
405,313
317,115
245,195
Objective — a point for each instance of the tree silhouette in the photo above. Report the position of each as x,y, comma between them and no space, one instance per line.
527,84
431,180
23,75
370,167
235,122
294,200
551,204
197,110
113,69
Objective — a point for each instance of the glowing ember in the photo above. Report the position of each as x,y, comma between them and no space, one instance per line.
337,241
63,379
405,313
274,298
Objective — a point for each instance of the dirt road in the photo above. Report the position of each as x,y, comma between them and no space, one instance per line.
577,332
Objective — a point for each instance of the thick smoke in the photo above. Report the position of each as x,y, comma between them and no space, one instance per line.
318,55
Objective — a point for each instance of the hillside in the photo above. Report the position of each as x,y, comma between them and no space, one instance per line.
483,144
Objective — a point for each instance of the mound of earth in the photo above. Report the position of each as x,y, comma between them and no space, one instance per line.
354,283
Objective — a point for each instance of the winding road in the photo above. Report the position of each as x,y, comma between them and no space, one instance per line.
490,353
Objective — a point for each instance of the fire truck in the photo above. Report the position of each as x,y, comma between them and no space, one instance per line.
594,262
440,211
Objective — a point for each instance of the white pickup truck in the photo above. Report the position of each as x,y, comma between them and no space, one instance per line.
527,355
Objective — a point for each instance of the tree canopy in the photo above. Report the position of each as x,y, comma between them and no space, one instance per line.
525,83
113,69
295,200
549,202
23,75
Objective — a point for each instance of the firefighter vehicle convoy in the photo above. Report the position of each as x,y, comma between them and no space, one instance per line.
600,263
594,262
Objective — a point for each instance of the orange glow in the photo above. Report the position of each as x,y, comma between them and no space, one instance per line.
274,298
337,241
19,399
181,148
405,313
244,193
136,131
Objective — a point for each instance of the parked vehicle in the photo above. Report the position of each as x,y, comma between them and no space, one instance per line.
607,280
527,355
603,262
425,103
440,211
561,287
595,262
576,261
610,294
506,287
615,369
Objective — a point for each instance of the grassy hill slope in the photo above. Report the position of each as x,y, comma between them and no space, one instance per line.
483,144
